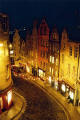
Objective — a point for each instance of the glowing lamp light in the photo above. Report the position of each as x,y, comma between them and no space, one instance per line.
11,52
63,87
1,44
10,46
50,79
9,96
71,94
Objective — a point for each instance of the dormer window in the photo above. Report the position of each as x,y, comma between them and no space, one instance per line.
54,36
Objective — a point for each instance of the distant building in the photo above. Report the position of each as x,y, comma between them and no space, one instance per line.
43,40
29,52
16,45
54,51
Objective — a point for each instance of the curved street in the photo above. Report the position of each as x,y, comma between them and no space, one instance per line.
39,105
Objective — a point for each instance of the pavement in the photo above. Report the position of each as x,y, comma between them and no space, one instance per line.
16,110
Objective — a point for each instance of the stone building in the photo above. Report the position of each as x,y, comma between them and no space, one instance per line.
69,73
43,40
34,38
53,51
16,46
5,72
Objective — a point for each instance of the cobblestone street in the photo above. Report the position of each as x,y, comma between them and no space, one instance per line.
39,104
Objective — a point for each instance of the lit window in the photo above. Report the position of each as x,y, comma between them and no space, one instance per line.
63,87
50,69
1,44
52,59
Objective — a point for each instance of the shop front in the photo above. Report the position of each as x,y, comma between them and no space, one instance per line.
41,73
34,71
67,90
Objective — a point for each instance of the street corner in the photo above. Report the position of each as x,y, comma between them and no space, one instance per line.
19,105
16,110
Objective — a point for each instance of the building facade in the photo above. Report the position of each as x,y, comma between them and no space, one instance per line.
5,72
16,46
53,51
34,38
43,40
69,73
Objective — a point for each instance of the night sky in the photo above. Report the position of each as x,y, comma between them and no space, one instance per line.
23,12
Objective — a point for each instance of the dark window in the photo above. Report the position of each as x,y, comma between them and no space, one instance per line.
75,52
46,44
62,58
70,51
41,31
43,53
44,64
45,30
79,50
